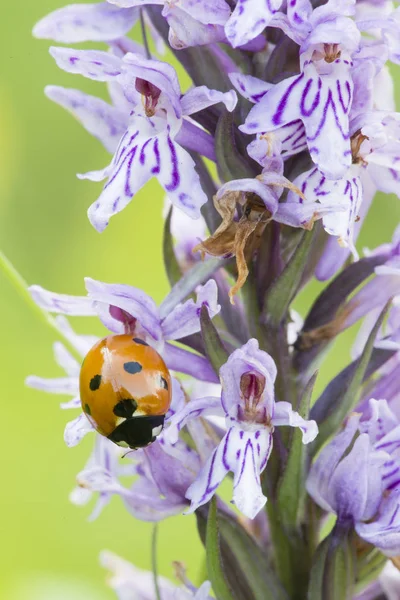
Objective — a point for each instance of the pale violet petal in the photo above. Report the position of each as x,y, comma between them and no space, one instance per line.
249,19
285,415
193,409
199,98
100,22
178,176
185,317
251,451
62,303
133,301
384,530
76,430
186,30
250,87
103,121
74,403
183,361
94,64
65,360
59,385
322,470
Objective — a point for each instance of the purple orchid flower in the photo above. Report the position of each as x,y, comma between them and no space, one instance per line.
129,582
247,402
163,474
123,308
249,19
357,476
321,95
151,118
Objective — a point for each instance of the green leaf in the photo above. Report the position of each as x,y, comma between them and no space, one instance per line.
333,571
197,275
171,264
335,412
284,288
317,571
291,490
214,563
214,348
231,164
261,579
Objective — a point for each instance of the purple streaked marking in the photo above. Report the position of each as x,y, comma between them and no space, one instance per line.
278,116
73,59
393,516
225,451
175,177
315,103
142,156
155,170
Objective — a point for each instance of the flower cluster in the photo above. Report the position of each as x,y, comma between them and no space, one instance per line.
269,163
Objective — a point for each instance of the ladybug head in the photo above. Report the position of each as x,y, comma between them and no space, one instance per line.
138,432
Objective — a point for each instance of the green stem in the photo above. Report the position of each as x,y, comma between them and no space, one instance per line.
154,560
20,285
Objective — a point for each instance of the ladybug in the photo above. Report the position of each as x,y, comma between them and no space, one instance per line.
125,390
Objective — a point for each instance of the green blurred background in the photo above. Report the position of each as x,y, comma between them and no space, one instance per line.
46,541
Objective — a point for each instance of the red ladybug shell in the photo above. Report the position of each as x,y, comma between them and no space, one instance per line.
123,379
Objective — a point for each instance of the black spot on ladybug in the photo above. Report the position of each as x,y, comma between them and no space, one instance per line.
132,367
95,383
139,341
86,408
164,383
125,408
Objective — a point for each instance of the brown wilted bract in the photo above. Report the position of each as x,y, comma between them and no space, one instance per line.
237,238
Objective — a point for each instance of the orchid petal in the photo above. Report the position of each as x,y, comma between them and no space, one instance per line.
86,23
194,409
384,531
59,385
132,301
199,98
62,303
285,415
185,317
76,430
249,19
322,470
93,64
251,88
183,361
103,121
186,30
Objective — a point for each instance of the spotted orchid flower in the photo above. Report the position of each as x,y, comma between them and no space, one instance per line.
321,95
162,475
357,476
129,582
153,131
125,309
247,402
